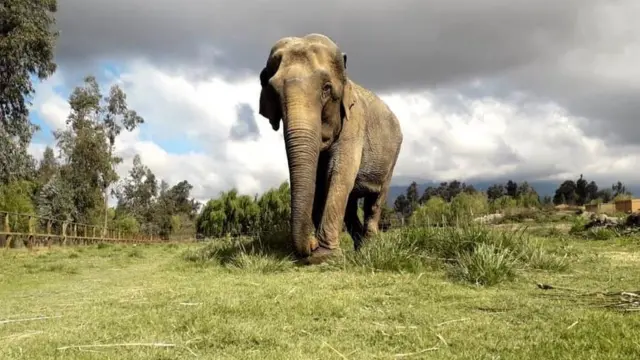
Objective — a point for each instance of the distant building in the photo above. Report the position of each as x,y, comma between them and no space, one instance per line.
601,208
628,206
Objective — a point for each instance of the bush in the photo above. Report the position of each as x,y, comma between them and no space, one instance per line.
467,206
503,203
487,265
237,253
16,197
470,252
436,211
463,208
240,215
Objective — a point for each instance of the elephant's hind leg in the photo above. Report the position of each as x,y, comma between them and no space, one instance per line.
372,211
353,223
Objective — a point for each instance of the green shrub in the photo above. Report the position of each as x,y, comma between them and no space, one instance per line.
503,203
487,265
577,224
600,233
238,253
537,258
469,251
436,211
463,208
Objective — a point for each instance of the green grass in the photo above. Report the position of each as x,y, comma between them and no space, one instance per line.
465,293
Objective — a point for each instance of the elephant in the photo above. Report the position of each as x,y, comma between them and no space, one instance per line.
342,143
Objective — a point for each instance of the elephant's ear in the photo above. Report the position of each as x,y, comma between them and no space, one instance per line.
268,107
348,100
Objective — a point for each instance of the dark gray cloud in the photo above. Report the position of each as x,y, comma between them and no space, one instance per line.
245,126
511,45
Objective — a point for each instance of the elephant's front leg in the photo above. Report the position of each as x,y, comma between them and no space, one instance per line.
320,195
343,170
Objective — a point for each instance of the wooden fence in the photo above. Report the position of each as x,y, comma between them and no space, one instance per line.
40,231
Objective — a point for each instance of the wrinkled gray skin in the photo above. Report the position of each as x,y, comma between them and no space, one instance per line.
342,143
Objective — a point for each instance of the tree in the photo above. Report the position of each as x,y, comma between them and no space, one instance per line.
48,166
512,188
620,191
412,196
27,42
591,192
55,200
231,214
428,193
606,195
275,209
495,191
84,153
116,115
581,190
402,206
93,125
16,197
447,191
546,200
54,197
173,203
136,193
566,193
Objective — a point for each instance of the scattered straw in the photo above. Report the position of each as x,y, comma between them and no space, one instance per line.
8,321
415,353
624,301
452,321
334,350
80,347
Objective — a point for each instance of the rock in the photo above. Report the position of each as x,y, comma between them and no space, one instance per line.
602,220
633,220
587,215
488,218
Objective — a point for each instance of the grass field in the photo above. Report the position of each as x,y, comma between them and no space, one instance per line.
217,301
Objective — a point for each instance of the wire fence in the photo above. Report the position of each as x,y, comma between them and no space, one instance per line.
32,230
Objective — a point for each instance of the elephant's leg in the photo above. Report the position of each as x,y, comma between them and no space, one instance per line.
372,211
352,222
343,171
320,195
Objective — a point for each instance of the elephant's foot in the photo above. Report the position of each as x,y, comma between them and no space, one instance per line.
321,255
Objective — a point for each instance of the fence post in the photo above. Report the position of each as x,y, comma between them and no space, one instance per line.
49,233
30,237
7,229
64,233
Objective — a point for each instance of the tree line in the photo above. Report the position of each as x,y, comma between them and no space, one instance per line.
76,177
511,194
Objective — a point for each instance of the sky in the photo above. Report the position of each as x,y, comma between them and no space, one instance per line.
483,89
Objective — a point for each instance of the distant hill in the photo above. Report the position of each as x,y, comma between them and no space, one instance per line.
543,188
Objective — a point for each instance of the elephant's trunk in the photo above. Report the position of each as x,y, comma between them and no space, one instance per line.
302,139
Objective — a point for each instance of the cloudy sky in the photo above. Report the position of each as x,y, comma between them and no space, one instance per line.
484,89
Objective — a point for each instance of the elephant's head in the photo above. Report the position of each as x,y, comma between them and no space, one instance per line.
305,84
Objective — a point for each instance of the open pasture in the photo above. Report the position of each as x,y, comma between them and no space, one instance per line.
415,293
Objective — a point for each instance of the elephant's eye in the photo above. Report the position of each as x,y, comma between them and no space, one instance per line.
326,89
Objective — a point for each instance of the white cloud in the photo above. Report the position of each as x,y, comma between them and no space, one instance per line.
476,138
